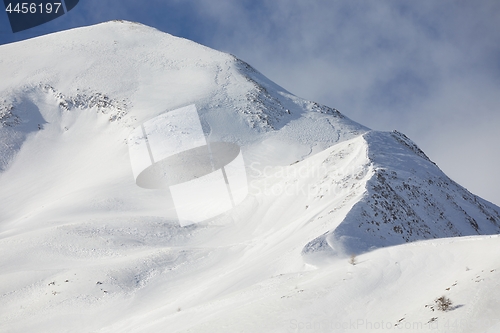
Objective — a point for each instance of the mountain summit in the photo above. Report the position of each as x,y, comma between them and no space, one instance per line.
79,236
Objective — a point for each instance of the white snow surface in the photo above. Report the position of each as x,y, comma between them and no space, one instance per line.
84,249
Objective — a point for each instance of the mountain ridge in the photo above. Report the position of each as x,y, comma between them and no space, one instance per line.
267,118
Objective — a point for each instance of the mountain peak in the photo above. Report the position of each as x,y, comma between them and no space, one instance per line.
132,73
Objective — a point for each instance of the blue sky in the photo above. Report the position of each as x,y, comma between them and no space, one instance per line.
430,69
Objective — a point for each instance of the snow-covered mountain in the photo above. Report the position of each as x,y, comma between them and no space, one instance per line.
84,249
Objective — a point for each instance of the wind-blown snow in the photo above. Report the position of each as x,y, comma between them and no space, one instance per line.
86,250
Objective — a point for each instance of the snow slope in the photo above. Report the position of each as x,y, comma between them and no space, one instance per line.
84,249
